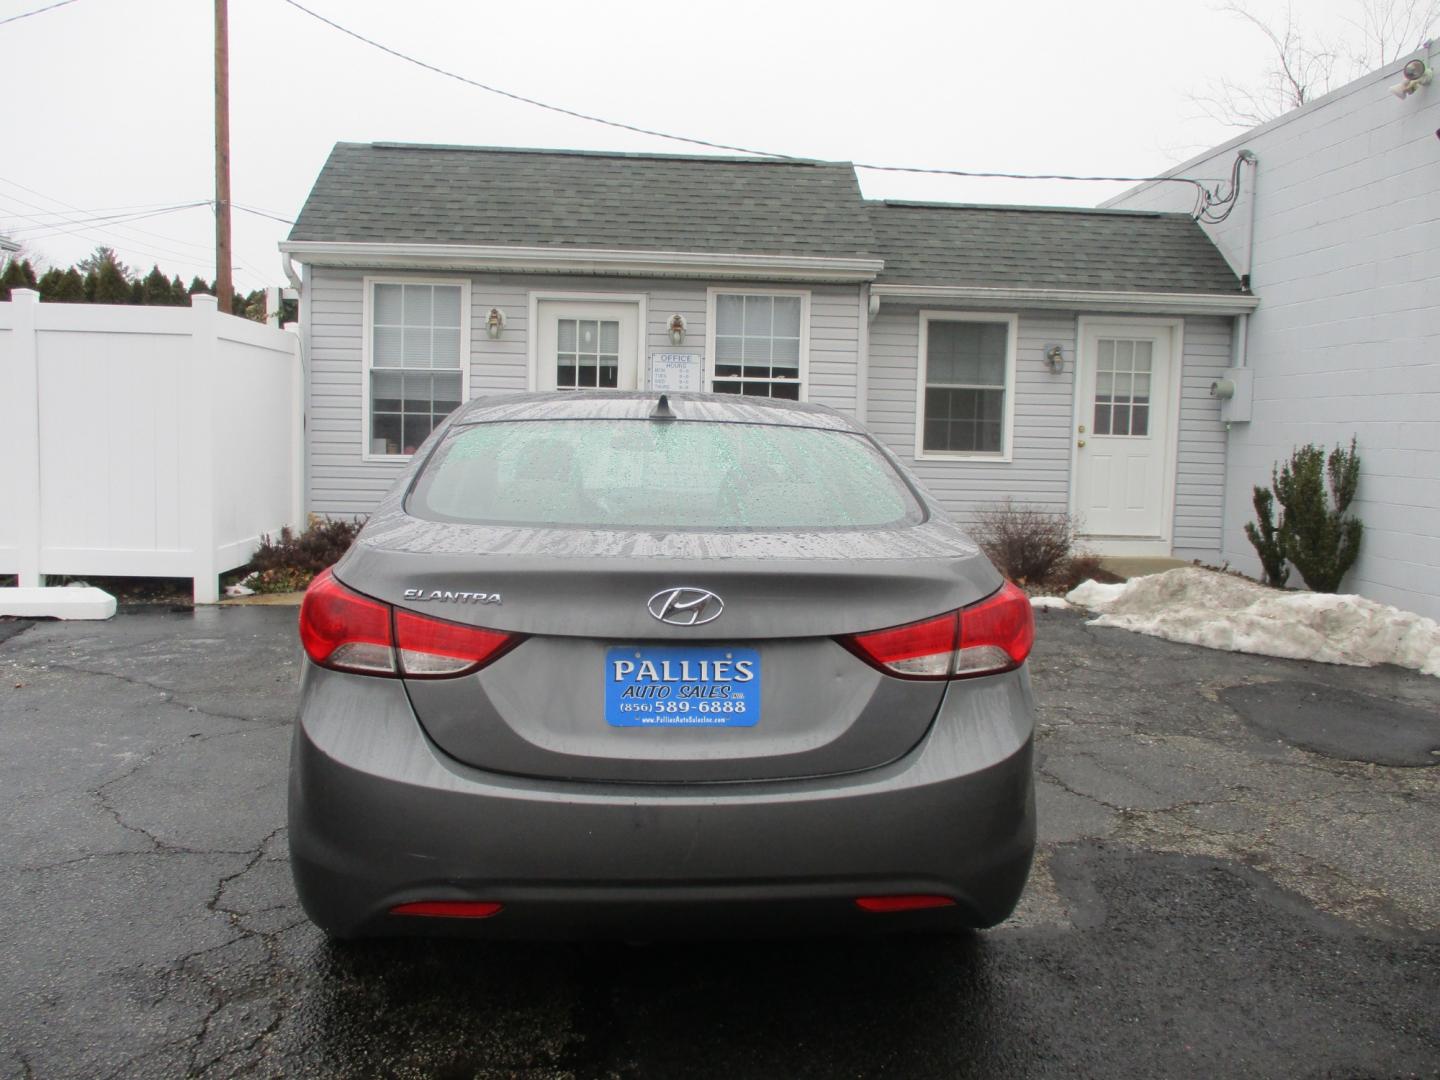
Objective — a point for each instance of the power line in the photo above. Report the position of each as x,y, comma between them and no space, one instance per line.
263,213
111,230
37,11
1203,196
52,227
521,97
136,207
121,233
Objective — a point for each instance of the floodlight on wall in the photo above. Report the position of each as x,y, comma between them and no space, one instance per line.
1055,357
677,329
1415,74
495,322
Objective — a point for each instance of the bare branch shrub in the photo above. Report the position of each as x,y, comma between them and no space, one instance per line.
1028,544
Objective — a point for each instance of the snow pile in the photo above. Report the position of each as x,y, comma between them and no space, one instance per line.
1220,611
1050,601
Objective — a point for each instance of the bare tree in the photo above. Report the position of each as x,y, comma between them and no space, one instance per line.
1306,64
1389,29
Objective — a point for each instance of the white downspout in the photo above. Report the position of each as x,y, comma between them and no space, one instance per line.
1242,322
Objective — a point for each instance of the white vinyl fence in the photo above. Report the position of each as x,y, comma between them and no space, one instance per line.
144,441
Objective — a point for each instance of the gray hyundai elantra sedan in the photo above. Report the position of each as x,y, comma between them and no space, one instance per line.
621,665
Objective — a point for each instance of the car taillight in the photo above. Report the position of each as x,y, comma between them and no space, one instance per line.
432,648
344,630
991,636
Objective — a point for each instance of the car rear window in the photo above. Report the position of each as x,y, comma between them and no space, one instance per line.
647,474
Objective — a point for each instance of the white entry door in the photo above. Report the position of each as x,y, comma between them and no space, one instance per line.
586,345
1124,471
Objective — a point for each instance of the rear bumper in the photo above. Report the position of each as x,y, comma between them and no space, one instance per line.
379,816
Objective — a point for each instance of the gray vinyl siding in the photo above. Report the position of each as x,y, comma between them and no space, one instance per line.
342,483
1039,472
835,314
1200,463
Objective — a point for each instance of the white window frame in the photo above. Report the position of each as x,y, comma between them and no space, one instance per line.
532,332
367,347
711,296
1007,433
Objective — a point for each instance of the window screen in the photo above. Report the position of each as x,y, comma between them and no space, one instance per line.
757,345
642,474
415,378
965,386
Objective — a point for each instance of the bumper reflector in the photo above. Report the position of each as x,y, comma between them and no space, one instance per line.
905,902
448,909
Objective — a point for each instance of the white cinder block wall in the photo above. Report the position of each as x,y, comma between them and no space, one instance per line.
1346,340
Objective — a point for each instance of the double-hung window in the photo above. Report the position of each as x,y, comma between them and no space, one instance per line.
417,342
759,343
967,382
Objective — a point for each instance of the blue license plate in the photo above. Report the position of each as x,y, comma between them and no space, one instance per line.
682,686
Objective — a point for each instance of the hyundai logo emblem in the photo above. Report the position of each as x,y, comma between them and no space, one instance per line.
686,607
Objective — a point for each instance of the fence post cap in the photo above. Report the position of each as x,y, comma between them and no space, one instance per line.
205,300
24,296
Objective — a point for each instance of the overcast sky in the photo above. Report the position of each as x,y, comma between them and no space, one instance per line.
108,102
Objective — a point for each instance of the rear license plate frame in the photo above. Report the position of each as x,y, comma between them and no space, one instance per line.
674,686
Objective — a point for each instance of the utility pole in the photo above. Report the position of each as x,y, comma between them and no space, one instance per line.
224,290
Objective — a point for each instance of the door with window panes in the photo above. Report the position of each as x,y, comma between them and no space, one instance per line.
587,345
1122,439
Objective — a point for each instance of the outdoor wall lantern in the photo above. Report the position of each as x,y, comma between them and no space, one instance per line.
1415,74
677,329
495,322
1055,357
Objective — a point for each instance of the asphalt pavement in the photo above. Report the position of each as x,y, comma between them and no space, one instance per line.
1238,877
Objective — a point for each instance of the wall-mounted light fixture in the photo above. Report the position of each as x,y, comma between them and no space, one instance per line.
1415,74
1055,357
677,329
495,322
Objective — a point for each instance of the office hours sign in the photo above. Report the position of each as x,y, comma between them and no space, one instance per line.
677,372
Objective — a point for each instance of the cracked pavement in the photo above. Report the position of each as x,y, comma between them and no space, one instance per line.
1214,894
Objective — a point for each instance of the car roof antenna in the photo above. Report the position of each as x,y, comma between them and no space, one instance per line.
662,410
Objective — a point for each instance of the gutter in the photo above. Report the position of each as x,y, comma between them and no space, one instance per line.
557,260
1172,303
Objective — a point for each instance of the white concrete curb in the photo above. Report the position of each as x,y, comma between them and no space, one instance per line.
61,602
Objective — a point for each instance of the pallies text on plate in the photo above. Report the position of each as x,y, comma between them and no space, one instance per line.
685,671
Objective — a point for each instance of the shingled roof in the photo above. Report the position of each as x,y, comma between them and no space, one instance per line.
569,200
401,193
1043,247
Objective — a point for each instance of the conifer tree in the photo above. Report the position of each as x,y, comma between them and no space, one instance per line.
19,274
103,256
1314,531
1321,539
62,287
156,289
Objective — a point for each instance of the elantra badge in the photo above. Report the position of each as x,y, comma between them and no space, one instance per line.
450,596
686,607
